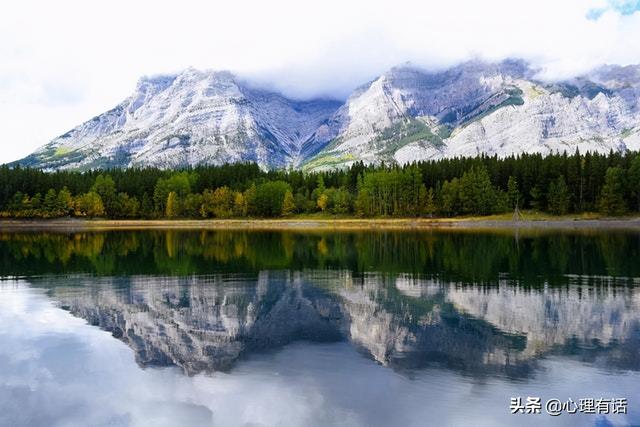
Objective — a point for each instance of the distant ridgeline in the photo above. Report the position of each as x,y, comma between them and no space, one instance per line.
558,184
404,115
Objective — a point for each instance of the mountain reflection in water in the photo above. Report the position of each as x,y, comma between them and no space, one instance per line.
358,328
208,323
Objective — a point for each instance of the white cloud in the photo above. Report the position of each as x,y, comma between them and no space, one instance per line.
63,62
55,369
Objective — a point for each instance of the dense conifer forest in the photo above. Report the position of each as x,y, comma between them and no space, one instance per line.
558,184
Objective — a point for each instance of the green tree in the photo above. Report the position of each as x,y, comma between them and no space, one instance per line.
513,192
172,209
537,198
64,202
450,197
218,203
89,204
269,198
341,201
36,203
125,206
179,183
477,194
50,204
250,199
288,204
611,200
146,208
364,202
105,187
634,180
558,197
430,203
193,205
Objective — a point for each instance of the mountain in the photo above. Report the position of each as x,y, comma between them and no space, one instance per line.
192,118
481,108
407,114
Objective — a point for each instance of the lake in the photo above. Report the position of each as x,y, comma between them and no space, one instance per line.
167,328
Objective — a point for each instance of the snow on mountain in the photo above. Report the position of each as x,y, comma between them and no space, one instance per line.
188,119
479,108
407,114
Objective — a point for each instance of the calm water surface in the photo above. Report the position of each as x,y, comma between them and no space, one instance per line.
302,329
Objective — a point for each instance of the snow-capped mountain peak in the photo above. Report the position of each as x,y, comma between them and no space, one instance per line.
406,114
195,117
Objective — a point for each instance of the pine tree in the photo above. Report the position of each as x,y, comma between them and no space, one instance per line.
634,181
558,196
611,201
513,194
105,187
146,209
537,197
50,203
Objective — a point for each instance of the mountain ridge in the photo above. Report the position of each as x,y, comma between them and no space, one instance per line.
406,114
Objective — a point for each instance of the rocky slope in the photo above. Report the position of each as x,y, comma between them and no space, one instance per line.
193,118
479,108
406,114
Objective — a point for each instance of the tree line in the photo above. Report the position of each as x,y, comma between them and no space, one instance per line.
557,184
472,258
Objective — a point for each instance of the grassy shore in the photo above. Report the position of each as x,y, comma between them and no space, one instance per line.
529,220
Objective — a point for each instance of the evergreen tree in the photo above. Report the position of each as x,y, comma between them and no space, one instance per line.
513,193
634,181
146,208
125,206
341,201
269,198
50,204
250,199
450,197
105,187
537,198
557,183
477,195
611,200
558,196
192,205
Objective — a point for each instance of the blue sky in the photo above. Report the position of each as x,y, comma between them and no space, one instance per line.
623,7
74,59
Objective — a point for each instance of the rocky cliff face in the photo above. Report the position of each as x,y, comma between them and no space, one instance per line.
478,108
189,119
406,114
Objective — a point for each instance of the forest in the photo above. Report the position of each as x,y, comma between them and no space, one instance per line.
557,184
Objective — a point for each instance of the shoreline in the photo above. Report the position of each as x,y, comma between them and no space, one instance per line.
323,224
